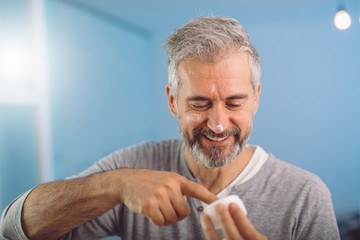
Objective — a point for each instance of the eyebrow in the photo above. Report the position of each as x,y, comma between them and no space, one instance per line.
197,98
238,96
201,98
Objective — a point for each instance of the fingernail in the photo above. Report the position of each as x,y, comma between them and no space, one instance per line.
232,206
219,208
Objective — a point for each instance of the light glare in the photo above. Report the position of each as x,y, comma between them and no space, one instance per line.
15,65
342,20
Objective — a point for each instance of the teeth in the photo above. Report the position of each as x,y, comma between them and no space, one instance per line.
216,139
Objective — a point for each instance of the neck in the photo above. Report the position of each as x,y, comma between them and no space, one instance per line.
216,179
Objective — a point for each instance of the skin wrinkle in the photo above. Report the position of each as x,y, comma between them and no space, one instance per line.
213,88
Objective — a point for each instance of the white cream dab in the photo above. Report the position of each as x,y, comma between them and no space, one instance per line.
219,128
194,117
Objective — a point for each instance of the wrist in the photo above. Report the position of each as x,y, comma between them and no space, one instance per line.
115,184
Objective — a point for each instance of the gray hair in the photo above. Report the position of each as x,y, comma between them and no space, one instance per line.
209,39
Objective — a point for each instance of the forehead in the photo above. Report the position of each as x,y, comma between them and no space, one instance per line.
231,75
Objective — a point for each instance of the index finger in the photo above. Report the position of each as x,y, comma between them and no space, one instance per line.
195,190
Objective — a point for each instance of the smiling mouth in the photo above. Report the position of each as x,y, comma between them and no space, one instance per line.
215,139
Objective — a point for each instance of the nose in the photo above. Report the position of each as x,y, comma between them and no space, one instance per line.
217,119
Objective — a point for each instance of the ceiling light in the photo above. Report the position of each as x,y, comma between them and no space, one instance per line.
342,20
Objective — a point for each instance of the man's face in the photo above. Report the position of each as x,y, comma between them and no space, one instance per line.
210,95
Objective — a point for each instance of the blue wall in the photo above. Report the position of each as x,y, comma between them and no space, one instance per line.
102,86
18,164
19,170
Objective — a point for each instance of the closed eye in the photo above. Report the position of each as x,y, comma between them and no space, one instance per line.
201,106
234,105
199,102
235,102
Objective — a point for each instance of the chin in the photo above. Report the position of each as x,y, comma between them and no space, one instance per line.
216,158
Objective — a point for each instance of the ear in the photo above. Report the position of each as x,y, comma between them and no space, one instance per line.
257,98
171,101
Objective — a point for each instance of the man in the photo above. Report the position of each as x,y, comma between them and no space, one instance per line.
158,190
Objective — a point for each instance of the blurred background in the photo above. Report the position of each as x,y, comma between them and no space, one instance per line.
80,79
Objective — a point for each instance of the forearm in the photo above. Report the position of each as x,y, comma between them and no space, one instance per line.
53,209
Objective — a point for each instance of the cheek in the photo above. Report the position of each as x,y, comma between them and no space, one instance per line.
243,120
194,118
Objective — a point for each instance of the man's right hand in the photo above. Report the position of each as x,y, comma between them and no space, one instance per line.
53,209
160,195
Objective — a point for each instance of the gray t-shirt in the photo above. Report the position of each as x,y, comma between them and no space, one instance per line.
282,201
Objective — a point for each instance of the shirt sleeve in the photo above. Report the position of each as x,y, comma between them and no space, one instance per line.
317,219
10,224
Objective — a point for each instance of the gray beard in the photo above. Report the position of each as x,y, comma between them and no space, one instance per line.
216,158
